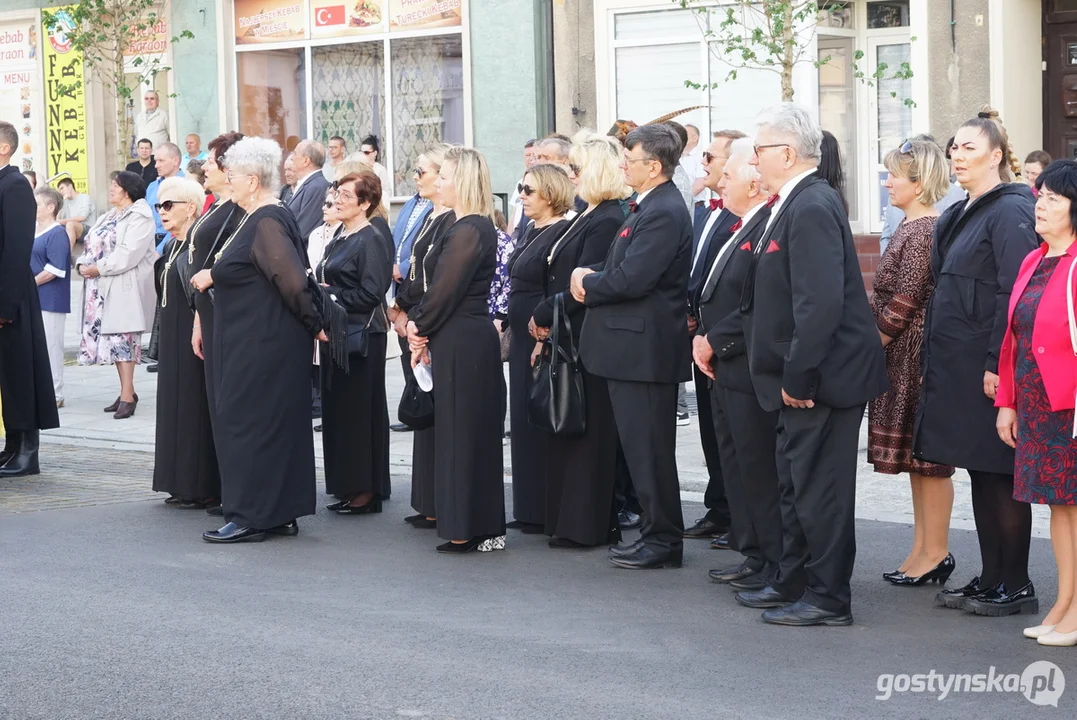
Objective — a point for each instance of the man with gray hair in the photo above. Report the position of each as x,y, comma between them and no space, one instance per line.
816,360
26,394
744,431
167,159
635,336
152,123
308,195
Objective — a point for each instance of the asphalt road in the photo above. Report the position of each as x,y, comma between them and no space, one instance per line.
121,611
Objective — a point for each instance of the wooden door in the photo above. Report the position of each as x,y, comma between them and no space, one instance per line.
1060,91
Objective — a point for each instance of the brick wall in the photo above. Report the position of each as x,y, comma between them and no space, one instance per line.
867,249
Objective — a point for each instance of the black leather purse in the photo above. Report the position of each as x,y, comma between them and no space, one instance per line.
557,403
416,409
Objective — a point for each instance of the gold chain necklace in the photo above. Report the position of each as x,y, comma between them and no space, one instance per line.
217,257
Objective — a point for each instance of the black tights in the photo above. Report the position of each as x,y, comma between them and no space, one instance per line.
1004,528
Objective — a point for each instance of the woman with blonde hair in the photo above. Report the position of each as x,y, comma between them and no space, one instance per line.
450,332
581,469
978,249
185,459
919,177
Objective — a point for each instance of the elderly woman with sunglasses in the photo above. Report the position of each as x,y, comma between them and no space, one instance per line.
185,460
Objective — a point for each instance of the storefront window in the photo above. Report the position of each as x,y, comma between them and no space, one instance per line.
348,83
888,14
271,95
837,108
428,101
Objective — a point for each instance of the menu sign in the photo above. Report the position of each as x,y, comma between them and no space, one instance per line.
338,18
270,21
20,91
412,14
65,105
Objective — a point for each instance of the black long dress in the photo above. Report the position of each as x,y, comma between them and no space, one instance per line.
527,267
469,389
355,417
581,470
262,333
209,233
185,459
425,249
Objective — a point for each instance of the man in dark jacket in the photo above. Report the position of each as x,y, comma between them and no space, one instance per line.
635,335
26,393
308,199
815,357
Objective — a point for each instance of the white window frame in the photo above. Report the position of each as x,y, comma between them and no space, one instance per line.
231,51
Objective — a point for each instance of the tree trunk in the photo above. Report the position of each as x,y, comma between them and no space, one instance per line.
789,39
122,151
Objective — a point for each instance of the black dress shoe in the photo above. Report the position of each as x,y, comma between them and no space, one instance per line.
24,460
704,528
424,524
371,507
721,542
940,574
890,576
768,597
627,520
232,533
337,505
288,529
116,405
954,598
400,427
618,550
173,500
801,614
999,602
481,543
561,542
215,511
646,558
734,572
525,527
755,582
151,368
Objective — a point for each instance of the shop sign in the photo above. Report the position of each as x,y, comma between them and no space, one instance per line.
340,18
270,21
65,108
20,90
415,14
151,40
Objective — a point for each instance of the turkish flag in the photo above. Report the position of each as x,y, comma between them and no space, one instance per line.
326,16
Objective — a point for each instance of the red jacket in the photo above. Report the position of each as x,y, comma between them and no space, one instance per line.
1050,336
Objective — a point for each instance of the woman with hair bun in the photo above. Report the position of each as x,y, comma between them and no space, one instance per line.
978,248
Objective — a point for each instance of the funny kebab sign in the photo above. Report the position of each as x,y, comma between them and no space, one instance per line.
275,21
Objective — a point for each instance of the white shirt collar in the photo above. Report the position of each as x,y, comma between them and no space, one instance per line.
790,185
711,219
300,181
46,229
748,216
642,195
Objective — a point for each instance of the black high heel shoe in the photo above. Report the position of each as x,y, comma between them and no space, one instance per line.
889,576
371,506
940,574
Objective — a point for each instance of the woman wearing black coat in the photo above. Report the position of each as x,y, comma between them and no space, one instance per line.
581,469
357,269
979,247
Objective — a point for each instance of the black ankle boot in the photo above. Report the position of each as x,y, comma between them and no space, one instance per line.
24,460
11,445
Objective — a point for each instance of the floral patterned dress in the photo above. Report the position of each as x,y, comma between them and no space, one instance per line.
502,283
96,348
1045,468
902,287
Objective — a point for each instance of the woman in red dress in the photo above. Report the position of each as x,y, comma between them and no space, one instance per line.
1037,386
919,177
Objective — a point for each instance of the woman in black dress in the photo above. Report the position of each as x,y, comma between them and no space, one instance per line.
547,194
185,461
215,226
264,322
357,269
581,469
450,330
412,287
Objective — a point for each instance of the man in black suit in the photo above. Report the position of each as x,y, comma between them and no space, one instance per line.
635,335
815,357
308,197
745,432
711,236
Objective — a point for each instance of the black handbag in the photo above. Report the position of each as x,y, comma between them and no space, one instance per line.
416,409
359,337
557,403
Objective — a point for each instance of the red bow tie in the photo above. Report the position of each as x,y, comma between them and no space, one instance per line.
736,226
771,200
716,205
633,206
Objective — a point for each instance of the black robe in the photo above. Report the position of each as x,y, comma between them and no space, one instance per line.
355,418
424,254
263,340
469,389
526,268
25,377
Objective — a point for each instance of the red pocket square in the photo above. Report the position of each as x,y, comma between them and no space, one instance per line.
773,247
624,233
746,246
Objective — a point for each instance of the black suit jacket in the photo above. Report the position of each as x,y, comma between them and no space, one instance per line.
808,326
635,327
306,204
721,231
719,305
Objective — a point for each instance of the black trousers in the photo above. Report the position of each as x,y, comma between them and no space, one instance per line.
746,438
624,495
816,460
646,417
714,498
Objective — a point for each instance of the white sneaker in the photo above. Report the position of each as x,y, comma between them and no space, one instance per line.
682,418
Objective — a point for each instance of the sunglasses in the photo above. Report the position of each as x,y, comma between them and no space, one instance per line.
327,204
419,172
574,168
525,189
906,149
167,205
709,158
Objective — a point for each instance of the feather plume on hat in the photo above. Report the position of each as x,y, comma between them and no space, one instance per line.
621,128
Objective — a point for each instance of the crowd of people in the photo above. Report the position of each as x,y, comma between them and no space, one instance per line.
625,269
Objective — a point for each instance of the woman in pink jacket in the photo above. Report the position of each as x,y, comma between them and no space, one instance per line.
1038,384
